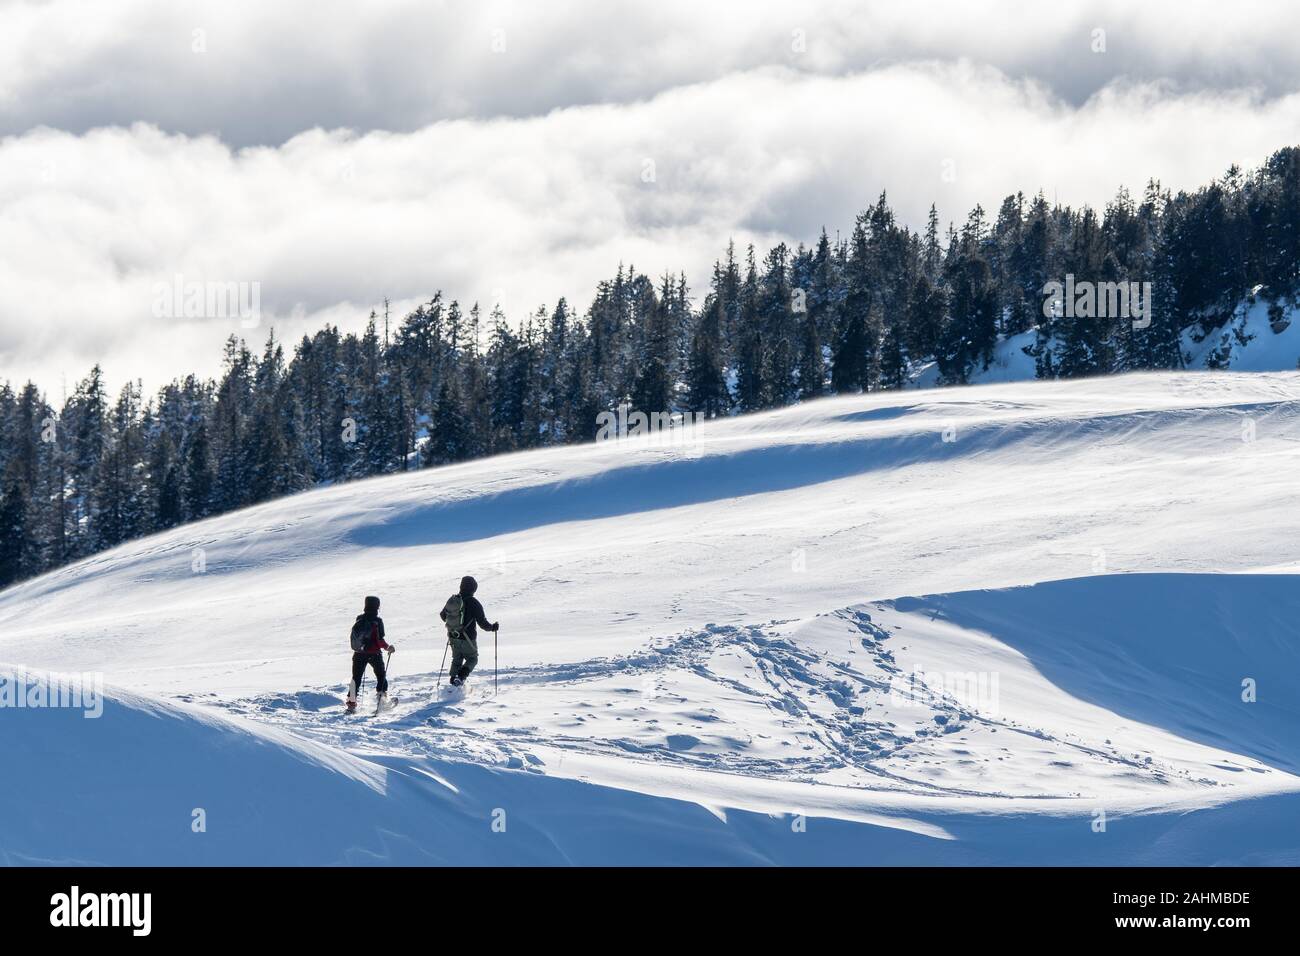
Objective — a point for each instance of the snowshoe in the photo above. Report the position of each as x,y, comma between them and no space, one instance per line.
454,692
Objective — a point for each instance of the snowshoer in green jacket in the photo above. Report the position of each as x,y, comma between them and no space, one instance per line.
463,615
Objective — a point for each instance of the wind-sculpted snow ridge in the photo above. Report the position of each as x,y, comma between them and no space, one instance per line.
706,652
862,736
898,701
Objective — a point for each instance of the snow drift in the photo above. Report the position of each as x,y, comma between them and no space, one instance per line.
707,651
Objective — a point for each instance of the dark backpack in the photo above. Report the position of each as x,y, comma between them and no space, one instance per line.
360,635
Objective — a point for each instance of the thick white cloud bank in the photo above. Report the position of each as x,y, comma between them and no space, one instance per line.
404,156
259,73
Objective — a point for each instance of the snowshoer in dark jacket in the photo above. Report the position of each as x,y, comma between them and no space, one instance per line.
371,653
463,632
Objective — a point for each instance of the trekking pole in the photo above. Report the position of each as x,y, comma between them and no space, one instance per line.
494,660
442,667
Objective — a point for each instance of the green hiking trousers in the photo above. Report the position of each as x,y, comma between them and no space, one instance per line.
464,657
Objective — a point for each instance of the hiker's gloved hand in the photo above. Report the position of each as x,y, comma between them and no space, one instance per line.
495,627
392,648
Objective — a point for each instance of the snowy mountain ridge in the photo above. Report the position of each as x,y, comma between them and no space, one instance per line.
1025,622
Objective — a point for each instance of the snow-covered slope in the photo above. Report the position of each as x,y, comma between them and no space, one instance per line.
718,633
1261,336
1010,363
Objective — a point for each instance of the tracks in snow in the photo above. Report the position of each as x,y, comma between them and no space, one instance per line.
819,702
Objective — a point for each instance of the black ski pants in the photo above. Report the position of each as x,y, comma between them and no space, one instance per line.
376,662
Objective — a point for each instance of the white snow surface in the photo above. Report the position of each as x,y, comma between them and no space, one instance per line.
1247,342
753,646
